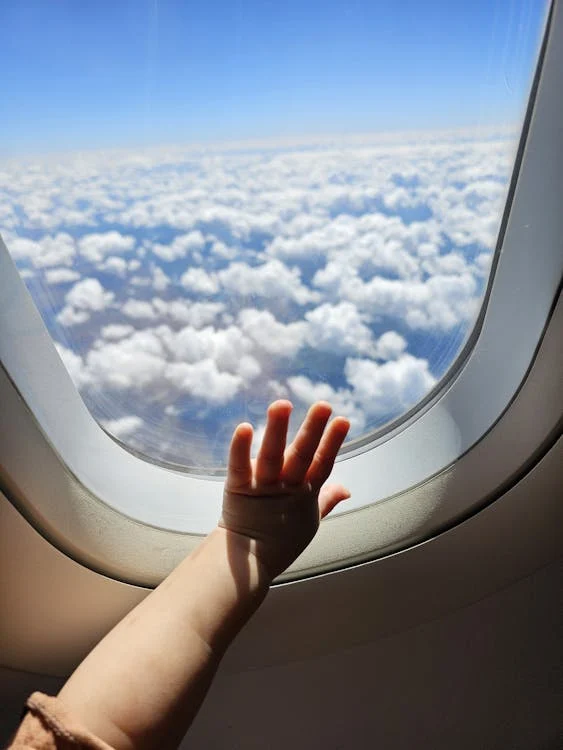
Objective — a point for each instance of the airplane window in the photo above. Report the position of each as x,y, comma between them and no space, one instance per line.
214,205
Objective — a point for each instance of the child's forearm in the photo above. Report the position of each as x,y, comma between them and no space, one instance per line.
144,682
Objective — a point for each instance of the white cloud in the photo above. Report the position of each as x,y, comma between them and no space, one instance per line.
75,366
221,250
114,264
390,345
85,297
194,314
89,294
180,246
271,279
141,281
70,316
22,248
160,280
341,400
439,303
58,250
55,276
450,264
391,387
138,309
124,426
134,362
377,391
483,264
199,281
116,331
210,364
248,368
330,235
49,251
94,247
277,389
204,380
340,329
273,337
227,346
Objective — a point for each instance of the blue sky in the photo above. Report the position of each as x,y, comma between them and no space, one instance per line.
134,72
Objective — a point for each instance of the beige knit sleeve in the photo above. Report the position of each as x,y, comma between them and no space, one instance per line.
49,725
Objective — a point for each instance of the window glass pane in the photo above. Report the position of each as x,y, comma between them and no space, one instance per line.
217,204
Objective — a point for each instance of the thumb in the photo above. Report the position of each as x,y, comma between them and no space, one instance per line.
329,497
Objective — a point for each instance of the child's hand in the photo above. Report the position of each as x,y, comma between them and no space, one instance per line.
277,500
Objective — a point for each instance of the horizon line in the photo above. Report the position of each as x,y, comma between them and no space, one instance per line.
307,141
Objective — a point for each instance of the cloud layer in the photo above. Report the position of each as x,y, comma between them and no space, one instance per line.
186,289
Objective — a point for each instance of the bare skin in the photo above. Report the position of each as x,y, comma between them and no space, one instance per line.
144,682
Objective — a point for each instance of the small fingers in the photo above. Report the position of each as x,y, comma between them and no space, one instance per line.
300,453
269,460
239,469
323,460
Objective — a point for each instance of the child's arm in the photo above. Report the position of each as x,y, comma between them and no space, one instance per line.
144,682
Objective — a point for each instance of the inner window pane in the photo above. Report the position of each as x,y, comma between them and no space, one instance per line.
215,205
